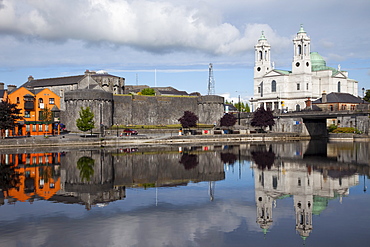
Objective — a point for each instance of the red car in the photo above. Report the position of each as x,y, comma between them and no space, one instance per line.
128,132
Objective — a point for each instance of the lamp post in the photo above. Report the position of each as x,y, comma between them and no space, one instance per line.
239,110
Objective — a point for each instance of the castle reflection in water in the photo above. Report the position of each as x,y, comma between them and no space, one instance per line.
313,173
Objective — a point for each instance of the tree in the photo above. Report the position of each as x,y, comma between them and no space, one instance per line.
188,120
367,95
147,91
46,115
86,120
262,118
228,120
9,113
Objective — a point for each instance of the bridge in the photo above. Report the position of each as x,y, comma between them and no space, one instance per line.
314,123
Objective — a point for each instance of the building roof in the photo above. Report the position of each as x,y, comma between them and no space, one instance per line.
339,98
319,64
49,82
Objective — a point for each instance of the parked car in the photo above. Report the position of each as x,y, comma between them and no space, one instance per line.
128,132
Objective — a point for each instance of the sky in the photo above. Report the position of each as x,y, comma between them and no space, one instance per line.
172,42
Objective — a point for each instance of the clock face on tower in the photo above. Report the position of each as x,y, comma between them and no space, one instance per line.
259,69
297,64
307,64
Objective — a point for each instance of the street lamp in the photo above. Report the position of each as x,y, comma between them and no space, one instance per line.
239,111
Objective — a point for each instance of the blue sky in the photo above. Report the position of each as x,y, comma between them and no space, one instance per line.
171,43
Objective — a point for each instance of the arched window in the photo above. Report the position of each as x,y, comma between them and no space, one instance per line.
297,107
265,55
299,50
260,55
338,86
273,86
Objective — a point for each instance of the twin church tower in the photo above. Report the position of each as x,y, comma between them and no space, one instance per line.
309,78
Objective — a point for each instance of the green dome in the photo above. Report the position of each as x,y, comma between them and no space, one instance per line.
317,60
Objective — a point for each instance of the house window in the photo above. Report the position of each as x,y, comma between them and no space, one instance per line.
18,101
353,107
27,127
331,108
344,107
40,127
273,86
34,129
298,86
27,114
51,101
46,127
338,86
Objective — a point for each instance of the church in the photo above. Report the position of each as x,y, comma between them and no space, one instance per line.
308,79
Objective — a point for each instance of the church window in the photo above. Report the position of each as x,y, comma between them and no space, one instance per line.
306,86
299,50
297,107
259,89
266,55
273,86
307,64
274,182
338,86
298,86
299,182
297,64
260,55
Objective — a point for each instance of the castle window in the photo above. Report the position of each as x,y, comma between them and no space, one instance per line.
338,86
273,86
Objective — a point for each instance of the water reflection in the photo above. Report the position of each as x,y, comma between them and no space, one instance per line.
306,174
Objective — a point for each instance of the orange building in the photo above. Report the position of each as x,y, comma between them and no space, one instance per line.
39,109
38,175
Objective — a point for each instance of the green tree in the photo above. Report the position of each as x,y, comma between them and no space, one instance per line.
262,118
86,120
148,91
367,95
46,115
188,120
9,113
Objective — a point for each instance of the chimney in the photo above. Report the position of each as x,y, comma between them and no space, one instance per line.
324,99
308,102
30,78
88,72
1,86
11,88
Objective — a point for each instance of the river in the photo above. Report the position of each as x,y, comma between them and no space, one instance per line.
308,193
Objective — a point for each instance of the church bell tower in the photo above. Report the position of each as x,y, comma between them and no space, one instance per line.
301,61
262,57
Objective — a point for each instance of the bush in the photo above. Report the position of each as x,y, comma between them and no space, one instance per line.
346,130
332,127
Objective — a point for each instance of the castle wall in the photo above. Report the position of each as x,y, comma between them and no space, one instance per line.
112,109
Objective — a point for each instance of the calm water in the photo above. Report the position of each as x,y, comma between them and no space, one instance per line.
278,194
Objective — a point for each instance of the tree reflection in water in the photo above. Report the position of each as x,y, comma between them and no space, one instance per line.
228,158
86,166
264,159
189,161
9,177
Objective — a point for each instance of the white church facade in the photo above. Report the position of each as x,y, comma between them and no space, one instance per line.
308,79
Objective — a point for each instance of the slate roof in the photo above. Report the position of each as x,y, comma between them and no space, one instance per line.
339,98
2,92
58,81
